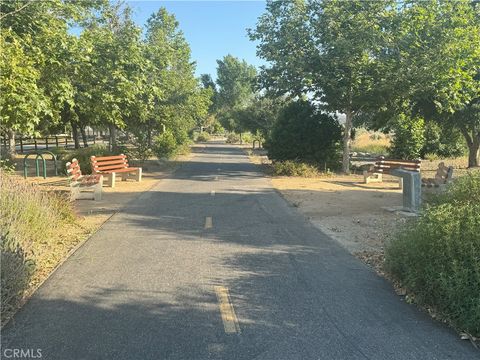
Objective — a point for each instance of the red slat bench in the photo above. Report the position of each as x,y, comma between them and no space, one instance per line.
83,186
384,166
109,166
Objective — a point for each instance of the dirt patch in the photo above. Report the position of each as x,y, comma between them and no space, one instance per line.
345,209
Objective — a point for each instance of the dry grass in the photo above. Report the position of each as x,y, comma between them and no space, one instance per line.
371,142
38,230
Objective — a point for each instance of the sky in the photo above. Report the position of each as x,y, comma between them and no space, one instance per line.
212,28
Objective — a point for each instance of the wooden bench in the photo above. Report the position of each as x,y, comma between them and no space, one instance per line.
442,177
109,166
384,166
83,186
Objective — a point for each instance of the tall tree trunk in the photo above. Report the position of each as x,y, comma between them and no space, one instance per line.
84,136
113,136
11,149
473,143
347,138
474,152
75,134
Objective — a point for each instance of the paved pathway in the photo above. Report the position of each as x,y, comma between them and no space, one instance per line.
213,264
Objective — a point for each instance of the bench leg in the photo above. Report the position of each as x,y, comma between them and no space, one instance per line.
369,177
111,180
97,192
139,175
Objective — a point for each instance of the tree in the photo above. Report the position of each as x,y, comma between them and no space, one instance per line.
22,102
179,101
431,67
260,115
235,81
304,133
36,55
325,49
115,78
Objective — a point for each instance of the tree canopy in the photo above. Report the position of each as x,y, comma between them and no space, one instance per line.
76,64
374,59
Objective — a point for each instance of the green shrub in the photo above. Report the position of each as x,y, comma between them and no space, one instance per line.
247,138
443,142
438,257
233,138
165,145
82,155
29,223
302,133
293,168
409,138
203,137
180,135
140,149
218,128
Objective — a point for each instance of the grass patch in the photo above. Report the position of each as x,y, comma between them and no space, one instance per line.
293,168
38,230
203,137
437,258
371,142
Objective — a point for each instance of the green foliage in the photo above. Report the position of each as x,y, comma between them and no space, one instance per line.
445,143
141,149
302,133
218,128
409,138
29,222
203,137
376,59
293,168
259,115
110,76
326,49
165,145
233,138
235,80
437,258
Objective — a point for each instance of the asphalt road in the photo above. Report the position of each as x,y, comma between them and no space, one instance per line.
213,264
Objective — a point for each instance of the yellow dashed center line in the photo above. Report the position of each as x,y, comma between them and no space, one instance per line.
230,321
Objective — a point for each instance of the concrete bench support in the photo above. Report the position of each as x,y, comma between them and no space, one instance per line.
412,188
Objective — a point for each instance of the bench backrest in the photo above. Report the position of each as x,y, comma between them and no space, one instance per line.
108,163
444,173
385,165
73,170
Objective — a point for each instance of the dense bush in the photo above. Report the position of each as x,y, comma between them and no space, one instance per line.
82,155
165,145
444,143
233,138
409,138
247,138
302,133
29,224
438,257
293,168
203,137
